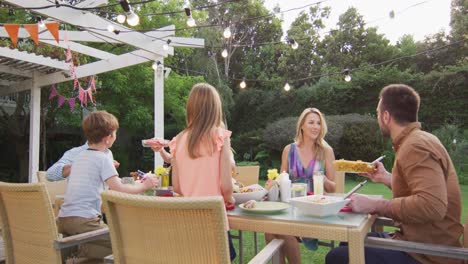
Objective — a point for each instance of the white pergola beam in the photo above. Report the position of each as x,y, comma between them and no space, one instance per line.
77,47
95,24
86,36
92,3
30,57
13,71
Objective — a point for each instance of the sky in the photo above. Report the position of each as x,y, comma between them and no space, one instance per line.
426,17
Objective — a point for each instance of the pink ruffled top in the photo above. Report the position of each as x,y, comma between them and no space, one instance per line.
200,176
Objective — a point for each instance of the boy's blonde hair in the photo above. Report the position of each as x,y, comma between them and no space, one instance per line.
204,114
99,124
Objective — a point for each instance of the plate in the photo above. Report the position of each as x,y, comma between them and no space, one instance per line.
266,207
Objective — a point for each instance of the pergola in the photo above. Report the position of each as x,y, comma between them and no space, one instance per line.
21,71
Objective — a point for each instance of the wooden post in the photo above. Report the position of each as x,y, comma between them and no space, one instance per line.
159,108
34,129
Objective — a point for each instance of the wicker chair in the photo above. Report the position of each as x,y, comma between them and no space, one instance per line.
169,230
55,189
28,226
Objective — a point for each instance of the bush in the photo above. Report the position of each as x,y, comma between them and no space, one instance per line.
280,133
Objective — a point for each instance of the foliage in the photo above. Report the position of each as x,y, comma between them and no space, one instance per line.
456,143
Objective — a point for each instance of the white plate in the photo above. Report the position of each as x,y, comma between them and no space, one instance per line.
266,207
244,197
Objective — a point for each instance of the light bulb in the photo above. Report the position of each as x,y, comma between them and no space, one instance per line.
154,66
191,22
243,84
110,28
227,32
41,24
347,78
224,53
295,45
121,18
287,87
132,19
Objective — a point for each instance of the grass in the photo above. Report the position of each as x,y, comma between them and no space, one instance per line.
318,256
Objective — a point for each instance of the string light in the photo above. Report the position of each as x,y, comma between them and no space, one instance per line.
243,84
132,19
224,53
40,22
156,65
166,46
287,87
110,28
121,18
227,32
293,43
347,74
190,20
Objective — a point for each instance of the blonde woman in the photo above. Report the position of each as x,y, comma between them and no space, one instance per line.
201,153
309,153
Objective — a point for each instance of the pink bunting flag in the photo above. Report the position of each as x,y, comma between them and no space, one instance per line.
76,84
93,84
71,103
85,97
80,94
90,93
68,57
60,102
53,92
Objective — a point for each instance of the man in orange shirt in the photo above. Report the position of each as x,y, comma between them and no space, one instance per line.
426,202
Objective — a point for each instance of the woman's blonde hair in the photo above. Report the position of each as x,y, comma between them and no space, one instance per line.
204,115
320,143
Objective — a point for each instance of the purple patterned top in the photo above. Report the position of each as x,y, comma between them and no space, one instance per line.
297,172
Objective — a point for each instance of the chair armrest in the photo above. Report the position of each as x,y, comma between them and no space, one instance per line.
71,241
380,222
270,251
417,247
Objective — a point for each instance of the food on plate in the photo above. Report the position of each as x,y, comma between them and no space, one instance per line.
236,185
248,189
353,166
319,199
250,204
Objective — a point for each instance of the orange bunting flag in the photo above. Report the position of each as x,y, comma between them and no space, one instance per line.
54,30
32,29
12,30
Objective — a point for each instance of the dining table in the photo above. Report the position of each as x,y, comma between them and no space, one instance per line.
345,226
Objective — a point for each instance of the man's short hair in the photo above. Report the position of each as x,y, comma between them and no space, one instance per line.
99,124
401,101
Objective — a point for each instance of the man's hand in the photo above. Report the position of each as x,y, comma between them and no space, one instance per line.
150,181
116,164
364,204
379,175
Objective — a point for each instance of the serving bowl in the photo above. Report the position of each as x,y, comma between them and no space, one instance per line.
256,193
319,205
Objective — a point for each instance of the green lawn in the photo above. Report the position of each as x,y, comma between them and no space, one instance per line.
318,256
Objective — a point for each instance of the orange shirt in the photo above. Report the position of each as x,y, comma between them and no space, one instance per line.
426,194
200,176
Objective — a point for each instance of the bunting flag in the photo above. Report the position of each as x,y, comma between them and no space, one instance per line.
61,100
82,93
54,30
32,29
12,30
71,103
53,92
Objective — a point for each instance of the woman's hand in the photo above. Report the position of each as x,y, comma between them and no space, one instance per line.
157,144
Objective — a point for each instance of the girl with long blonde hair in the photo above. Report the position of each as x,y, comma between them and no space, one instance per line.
201,153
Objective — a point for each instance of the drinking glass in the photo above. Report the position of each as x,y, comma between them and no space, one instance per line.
318,183
298,190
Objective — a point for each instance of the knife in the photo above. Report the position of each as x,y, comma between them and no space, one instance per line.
355,189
